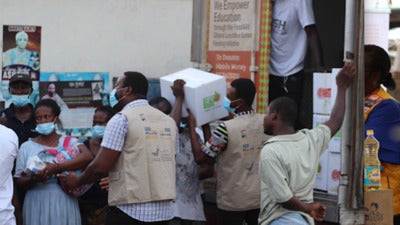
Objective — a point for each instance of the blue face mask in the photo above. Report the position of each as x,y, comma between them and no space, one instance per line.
113,98
98,131
227,105
45,128
182,124
20,100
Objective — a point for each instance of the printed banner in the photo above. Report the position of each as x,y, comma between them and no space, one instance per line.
75,90
78,94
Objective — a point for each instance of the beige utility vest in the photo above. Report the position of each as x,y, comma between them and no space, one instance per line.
238,178
145,169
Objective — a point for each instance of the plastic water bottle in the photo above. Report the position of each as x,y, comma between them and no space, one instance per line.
372,165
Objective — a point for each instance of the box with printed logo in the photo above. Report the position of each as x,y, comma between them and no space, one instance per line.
379,207
204,94
333,172
335,142
324,91
321,180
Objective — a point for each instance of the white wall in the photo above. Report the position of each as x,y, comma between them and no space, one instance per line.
150,36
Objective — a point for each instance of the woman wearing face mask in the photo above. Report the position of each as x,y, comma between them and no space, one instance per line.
93,204
45,202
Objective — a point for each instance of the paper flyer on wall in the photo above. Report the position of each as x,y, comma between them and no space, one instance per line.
78,94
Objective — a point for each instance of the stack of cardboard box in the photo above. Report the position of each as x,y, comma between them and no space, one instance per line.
324,94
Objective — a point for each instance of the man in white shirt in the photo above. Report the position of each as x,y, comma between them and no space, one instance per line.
293,31
8,153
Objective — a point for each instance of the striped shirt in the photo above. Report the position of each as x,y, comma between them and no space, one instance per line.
114,138
219,139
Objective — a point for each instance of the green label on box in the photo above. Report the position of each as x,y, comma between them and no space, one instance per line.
211,101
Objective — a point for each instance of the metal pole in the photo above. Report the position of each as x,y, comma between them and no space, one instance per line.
351,182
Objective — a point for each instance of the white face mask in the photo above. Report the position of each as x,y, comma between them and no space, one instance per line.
98,131
20,100
45,128
113,99
227,105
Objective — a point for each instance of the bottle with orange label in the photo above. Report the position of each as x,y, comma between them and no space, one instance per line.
372,165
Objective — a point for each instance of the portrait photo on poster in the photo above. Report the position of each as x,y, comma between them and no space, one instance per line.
21,51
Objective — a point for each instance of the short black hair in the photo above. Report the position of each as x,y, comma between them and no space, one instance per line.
245,89
380,62
107,110
286,108
49,103
137,81
155,102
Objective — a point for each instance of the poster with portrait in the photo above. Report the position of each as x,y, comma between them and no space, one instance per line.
21,54
78,94
21,51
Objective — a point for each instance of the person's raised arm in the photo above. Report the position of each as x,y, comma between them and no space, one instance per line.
177,90
199,156
343,80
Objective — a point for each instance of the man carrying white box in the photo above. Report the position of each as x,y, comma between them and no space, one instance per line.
236,145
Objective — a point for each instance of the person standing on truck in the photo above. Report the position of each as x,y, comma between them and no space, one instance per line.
382,114
293,24
289,160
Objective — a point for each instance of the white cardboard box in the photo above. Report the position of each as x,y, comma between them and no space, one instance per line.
335,142
324,91
321,180
204,93
333,172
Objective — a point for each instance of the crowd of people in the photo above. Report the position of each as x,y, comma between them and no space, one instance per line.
145,162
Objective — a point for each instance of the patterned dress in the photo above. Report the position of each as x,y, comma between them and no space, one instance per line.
45,203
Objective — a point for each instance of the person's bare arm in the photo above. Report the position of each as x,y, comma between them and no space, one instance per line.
315,45
94,145
17,206
206,170
199,156
177,90
315,209
97,169
79,162
343,80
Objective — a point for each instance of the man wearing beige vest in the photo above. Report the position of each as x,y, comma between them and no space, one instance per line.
138,152
235,144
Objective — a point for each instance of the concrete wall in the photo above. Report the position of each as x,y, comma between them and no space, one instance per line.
150,36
